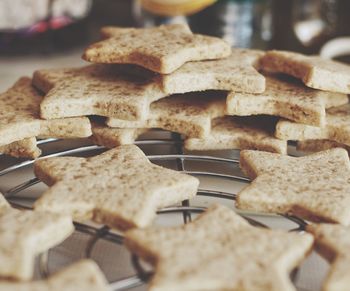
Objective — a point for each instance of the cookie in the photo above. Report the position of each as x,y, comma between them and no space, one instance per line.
84,275
239,133
160,49
314,187
119,188
317,145
112,137
238,72
219,250
286,98
333,242
95,90
20,118
24,235
337,127
314,71
189,114
25,148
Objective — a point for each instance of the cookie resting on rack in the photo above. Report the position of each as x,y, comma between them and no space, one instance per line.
333,243
314,187
189,114
84,275
20,117
219,250
120,188
161,49
25,234
288,98
232,132
337,127
314,71
25,148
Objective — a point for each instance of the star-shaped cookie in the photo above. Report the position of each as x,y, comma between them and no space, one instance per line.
95,90
232,132
333,243
219,250
189,114
238,72
25,148
315,187
20,117
314,71
84,275
286,98
119,188
337,127
161,49
25,234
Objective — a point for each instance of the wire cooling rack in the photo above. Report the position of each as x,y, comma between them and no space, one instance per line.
215,170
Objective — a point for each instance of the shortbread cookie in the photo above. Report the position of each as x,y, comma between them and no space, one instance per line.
84,275
25,234
189,114
333,243
237,72
314,71
25,148
219,250
315,187
286,98
119,188
161,49
112,137
95,90
318,145
239,133
19,117
337,127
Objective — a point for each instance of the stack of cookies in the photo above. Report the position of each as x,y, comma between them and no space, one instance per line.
169,78
217,98
223,101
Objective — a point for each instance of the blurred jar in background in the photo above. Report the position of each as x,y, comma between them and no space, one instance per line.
314,20
27,25
243,23
307,25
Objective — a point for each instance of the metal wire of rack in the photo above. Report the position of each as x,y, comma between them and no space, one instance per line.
187,208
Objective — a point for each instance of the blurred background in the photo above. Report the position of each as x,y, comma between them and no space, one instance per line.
50,33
